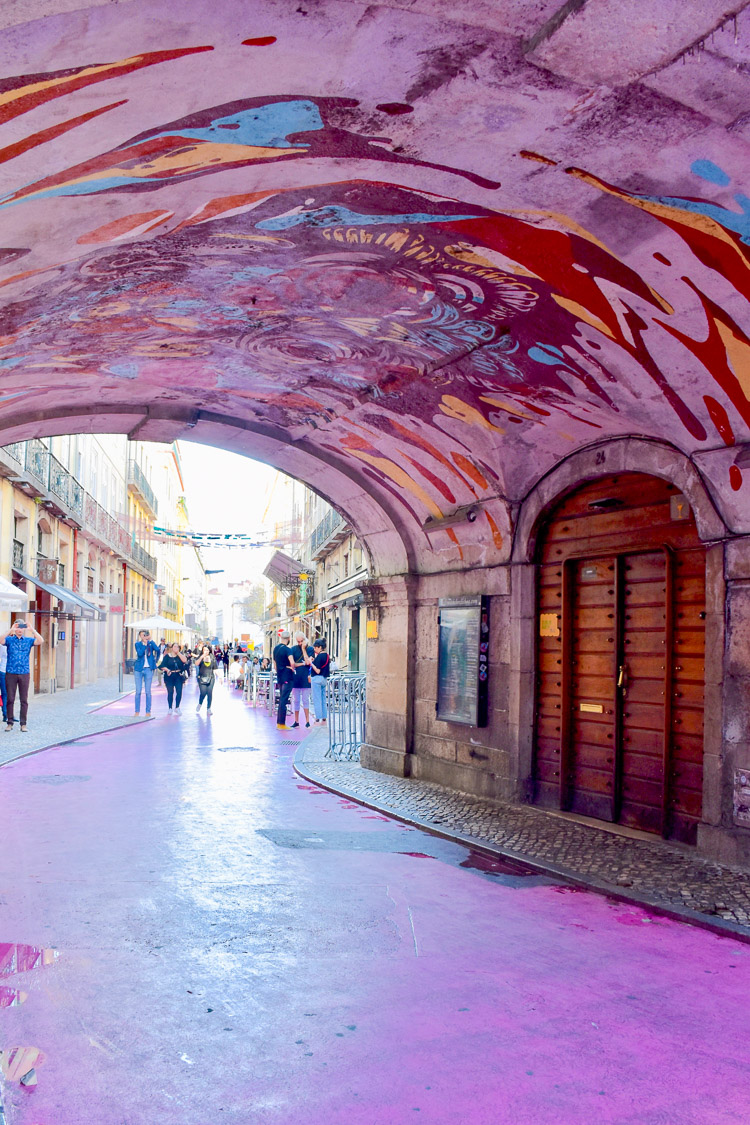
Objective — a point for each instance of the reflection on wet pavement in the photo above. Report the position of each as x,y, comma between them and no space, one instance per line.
17,1062
12,997
18,958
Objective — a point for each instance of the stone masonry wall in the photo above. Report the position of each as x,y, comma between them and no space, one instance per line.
471,759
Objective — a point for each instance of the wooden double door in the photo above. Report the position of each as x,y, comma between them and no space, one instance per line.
620,666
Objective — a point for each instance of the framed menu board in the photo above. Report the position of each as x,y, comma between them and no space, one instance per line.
463,660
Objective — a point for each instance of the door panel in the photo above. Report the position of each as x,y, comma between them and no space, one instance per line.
626,583
592,694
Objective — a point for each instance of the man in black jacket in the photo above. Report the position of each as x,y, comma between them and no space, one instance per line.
285,670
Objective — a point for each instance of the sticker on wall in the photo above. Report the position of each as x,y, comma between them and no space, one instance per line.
549,625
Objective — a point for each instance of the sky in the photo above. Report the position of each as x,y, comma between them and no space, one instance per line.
227,492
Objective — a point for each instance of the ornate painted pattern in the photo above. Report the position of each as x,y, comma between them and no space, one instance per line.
247,259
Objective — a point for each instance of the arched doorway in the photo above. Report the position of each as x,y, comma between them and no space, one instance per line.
620,656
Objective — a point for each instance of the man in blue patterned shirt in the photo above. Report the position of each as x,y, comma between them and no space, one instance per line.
146,656
19,643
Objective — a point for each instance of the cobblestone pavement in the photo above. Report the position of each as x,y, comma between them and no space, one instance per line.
652,872
67,714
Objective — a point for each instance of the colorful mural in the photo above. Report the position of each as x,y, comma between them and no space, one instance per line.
447,345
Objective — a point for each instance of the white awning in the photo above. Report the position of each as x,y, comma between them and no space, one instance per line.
11,597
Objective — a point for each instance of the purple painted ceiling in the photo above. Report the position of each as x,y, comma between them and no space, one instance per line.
413,257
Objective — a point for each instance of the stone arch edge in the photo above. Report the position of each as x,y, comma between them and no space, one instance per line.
626,454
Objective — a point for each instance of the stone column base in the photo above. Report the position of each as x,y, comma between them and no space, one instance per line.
726,845
394,762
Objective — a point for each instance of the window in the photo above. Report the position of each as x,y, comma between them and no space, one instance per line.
346,564
61,574
101,587
90,583
39,540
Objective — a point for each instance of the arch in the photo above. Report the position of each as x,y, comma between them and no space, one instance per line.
603,459
384,534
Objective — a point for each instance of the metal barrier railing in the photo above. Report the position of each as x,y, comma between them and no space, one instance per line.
260,689
346,700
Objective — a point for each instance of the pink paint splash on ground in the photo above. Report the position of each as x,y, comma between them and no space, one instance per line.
235,948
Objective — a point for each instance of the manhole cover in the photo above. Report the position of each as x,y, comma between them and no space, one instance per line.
236,749
59,778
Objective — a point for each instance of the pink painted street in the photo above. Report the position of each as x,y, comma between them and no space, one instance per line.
193,934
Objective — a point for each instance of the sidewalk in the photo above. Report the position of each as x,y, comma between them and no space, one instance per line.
632,866
58,717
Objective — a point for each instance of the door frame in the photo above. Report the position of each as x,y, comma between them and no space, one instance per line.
567,628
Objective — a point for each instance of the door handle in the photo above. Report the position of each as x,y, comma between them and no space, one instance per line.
622,678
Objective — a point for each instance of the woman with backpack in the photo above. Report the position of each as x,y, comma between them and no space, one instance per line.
205,666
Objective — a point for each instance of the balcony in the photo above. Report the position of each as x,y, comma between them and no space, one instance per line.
31,467
331,531
66,494
137,483
143,560
170,604
37,461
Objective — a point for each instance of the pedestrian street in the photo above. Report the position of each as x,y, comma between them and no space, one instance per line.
190,933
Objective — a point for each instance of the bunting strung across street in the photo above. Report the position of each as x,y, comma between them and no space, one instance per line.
212,538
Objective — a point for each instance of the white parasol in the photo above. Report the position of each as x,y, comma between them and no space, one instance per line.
11,597
158,624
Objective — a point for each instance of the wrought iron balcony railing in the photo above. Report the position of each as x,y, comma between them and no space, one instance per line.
137,480
331,523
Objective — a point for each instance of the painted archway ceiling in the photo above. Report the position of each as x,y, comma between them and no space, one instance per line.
440,253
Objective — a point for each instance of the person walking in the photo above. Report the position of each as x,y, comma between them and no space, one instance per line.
285,672
206,665
320,670
146,655
225,654
18,645
163,646
302,654
174,665
3,694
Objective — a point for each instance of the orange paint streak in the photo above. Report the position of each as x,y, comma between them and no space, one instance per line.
452,535
21,100
497,537
261,41
123,226
735,478
44,135
217,207
468,467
